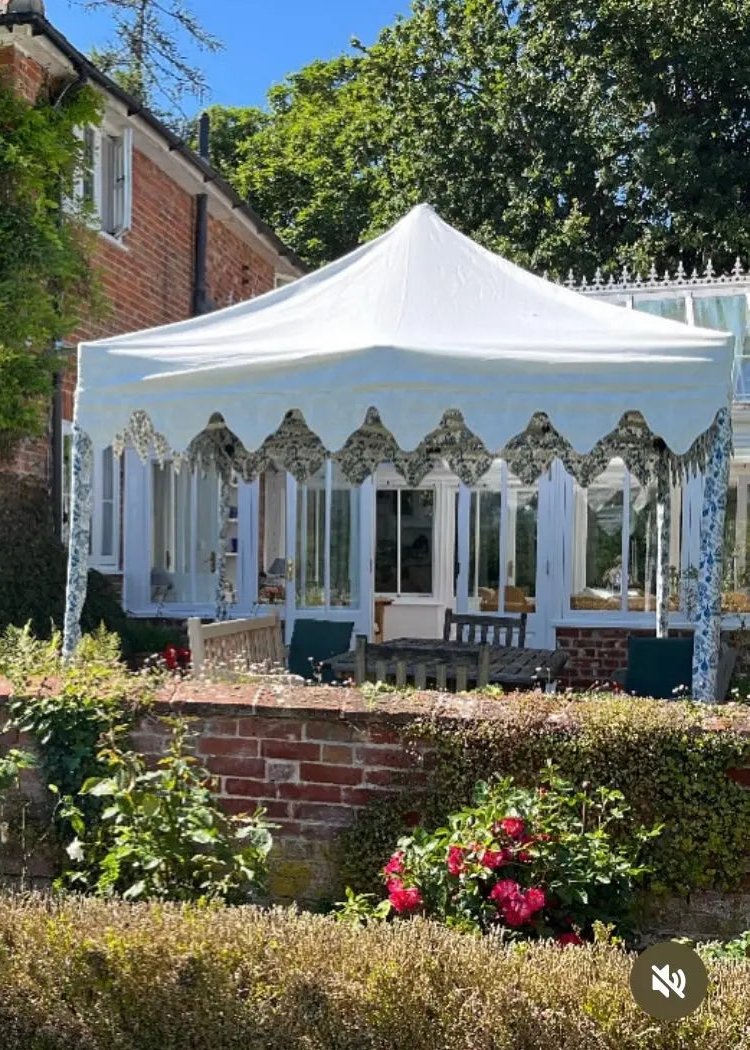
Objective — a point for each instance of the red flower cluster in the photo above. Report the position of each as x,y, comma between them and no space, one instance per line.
176,658
566,939
517,906
405,900
513,827
456,860
395,865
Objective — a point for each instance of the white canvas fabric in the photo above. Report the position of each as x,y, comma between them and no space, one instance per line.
416,322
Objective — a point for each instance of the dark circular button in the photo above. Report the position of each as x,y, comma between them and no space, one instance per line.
669,980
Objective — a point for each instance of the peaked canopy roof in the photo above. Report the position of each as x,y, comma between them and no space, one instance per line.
420,321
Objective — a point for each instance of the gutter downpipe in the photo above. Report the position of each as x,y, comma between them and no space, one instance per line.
200,289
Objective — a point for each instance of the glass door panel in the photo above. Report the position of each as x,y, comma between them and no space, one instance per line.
345,533
206,536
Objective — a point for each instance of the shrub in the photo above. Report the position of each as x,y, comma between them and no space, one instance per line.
527,863
94,975
33,566
67,707
670,765
162,834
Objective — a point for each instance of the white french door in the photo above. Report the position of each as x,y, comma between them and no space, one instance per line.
329,550
505,565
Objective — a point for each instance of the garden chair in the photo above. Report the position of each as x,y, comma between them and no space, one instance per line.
315,641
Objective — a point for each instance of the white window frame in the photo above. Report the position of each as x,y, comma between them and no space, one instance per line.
399,487
108,562
112,179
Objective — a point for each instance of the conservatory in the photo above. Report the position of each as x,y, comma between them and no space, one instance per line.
418,426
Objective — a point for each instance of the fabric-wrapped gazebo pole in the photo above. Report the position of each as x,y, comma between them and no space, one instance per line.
82,468
663,529
706,652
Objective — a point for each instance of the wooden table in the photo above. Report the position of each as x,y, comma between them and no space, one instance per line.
508,666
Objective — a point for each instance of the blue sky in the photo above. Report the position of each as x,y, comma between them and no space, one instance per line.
263,39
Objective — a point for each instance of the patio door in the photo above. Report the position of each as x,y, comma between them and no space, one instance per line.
329,550
502,568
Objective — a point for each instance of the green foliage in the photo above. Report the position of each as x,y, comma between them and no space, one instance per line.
163,835
33,565
563,135
670,768
84,974
12,764
736,950
45,275
522,862
67,707
147,56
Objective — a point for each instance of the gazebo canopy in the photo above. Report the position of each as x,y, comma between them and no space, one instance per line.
418,322
419,346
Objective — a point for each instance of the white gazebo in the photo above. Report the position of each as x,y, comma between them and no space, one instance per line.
419,347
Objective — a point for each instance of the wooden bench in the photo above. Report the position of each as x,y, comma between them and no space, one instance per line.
473,628
236,645
404,665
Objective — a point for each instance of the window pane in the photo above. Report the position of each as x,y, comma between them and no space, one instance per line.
736,590
171,535
206,536
597,541
642,549
109,464
310,580
272,539
344,541
484,548
523,509
386,542
417,519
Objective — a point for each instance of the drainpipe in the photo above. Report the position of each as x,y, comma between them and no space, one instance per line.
200,289
57,453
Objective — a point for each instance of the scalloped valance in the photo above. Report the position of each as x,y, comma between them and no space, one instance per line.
295,448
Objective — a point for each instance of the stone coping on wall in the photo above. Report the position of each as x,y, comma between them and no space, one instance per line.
204,698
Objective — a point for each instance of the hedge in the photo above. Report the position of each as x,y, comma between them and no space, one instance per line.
666,758
85,975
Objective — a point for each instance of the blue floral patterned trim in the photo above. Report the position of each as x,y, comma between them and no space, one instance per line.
708,622
663,527
82,469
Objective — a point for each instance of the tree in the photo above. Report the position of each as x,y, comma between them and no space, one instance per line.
146,56
561,134
45,276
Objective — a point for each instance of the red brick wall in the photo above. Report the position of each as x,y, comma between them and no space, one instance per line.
310,769
595,653
148,280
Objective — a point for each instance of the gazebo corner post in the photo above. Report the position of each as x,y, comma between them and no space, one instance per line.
82,472
707,647
663,530
222,583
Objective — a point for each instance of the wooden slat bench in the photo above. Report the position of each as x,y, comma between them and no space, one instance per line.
404,665
236,645
473,629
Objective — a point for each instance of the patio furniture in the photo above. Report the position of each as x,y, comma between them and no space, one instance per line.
236,645
313,643
662,668
508,666
495,630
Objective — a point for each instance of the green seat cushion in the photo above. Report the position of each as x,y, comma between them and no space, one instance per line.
659,667
314,641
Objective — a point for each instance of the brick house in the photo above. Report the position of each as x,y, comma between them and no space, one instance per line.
174,239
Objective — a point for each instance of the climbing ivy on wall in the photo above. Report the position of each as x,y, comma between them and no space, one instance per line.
670,766
46,276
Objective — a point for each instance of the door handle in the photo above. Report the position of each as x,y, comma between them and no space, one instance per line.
290,568
212,561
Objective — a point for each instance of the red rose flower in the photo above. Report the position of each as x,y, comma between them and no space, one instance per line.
395,865
405,900
170,657
523,856
504,890
516,911
494,858
456,860
514,828
536,898
564,939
